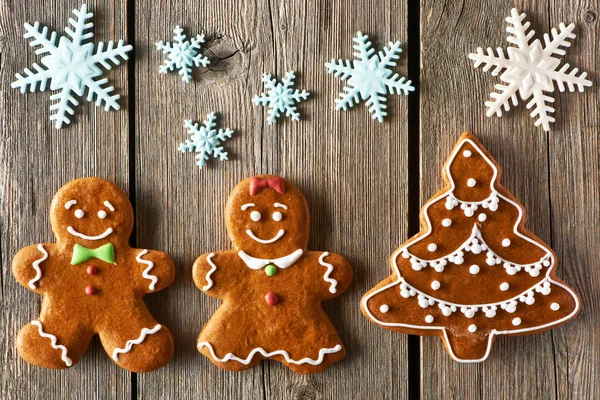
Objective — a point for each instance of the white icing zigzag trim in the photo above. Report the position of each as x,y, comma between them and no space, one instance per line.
130,343
53,341
246,361
326,277
36,266
213,268
475,244
150,265
429,229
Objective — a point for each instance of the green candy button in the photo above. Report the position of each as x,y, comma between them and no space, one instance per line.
270,270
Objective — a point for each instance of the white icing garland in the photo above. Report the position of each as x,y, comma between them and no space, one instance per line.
263,352
145,273
469,207
54,340
475,244
129,345
326,277
36,266
213,268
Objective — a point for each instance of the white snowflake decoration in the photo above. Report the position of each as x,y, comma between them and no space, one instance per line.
71,67
280,97
182,54
205,140
530,69
370,76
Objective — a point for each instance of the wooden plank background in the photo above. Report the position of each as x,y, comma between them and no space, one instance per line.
364,182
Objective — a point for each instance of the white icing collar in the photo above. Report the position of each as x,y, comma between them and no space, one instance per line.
281,262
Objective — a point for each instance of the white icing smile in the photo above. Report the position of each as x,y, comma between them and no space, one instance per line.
263,241
81,235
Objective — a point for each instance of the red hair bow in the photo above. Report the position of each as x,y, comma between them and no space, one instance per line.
258,184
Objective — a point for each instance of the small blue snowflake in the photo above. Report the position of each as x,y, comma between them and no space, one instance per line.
280,97
182,54
370,76
72,66
205,140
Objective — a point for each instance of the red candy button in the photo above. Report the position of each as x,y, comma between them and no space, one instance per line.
90,290
91,270
271,299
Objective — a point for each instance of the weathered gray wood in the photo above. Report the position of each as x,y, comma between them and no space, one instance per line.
351,169
36,160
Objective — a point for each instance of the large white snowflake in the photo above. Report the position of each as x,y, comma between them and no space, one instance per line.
183,54
370,76
71,67
280,97
205,140
530,69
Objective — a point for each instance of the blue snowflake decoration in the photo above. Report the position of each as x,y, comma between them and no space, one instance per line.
71,67
280,97
205,140
183,54
370,76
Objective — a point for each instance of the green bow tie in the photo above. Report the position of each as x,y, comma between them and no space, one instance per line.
105,253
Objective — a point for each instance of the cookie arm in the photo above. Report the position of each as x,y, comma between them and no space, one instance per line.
28,267
336,274
156,270
202,272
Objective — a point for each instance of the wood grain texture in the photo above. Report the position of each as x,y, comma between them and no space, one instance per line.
36,161
351,169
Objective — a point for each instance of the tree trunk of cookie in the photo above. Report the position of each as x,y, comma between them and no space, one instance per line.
467,347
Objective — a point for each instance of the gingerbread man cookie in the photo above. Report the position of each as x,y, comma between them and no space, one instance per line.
270,284
474,271
93,282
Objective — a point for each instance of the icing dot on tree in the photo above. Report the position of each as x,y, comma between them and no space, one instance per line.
472,328
446,222
516,321
435,285
504,286
554,306
506,242
432,247
384,308
482,217
429,319
467,153
474,269
471,182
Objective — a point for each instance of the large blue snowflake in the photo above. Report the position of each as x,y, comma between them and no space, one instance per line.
182,54
205,140
369,77
71,67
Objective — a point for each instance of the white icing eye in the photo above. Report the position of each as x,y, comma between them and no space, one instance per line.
79,213
277,216
255,216
101,214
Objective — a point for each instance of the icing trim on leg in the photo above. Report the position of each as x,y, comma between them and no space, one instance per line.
54,340
263,352
129,345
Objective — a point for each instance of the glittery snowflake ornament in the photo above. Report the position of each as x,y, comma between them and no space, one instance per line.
205,140
182,54
530,69
280,97
370,76
71,67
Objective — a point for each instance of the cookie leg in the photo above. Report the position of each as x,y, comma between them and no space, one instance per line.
53,343
141,345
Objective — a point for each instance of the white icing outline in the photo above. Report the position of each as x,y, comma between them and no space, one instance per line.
109,206
70,203
265,241
248,205
281,206
281,262
53,339
73,232
229,356
145,273
493,332
326,277
129,345
213,268
36,266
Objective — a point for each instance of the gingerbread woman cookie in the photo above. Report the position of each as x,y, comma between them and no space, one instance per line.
474,271
270,284
93,282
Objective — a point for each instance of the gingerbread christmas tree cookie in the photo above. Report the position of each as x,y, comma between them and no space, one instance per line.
474,271
93,282
271,285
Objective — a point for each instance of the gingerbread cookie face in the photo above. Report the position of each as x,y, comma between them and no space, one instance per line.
93,282
474,271
270,284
